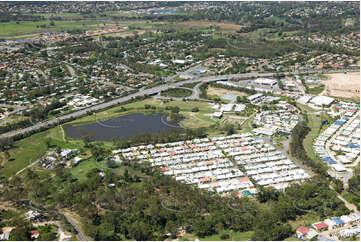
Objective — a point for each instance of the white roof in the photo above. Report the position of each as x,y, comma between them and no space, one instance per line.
266,81
255,96
322,100
303,99
338,167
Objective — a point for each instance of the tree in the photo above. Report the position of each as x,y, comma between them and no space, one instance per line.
86,140
19,234
48,142
140,231
171,227
195,109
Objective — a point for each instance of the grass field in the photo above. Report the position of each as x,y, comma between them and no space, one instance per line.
315,123
225,27
234,236
305,220
316,90
23,28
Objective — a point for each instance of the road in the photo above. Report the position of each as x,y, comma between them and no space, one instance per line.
71,70
349,205
142,92
42,209
80,235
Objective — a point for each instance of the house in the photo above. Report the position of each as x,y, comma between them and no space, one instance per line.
217,114
32,215
311,234
302,232
338,221
255,97
34,234
331,224
67,153
4,236
76,160
320,226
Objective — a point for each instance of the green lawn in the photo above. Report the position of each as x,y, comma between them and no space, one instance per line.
292,239
305,220
316,90
315,123
234,236
24,153
190,85
27,27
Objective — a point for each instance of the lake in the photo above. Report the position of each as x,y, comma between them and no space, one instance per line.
122,127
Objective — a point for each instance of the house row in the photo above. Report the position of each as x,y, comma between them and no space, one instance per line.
330,224
344,135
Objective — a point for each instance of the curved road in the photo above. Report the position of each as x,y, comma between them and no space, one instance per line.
157,89
79,234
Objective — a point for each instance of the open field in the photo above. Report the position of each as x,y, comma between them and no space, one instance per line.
227,27
22,28
233,236
221,92
343,85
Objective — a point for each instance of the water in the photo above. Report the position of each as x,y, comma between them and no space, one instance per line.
122,127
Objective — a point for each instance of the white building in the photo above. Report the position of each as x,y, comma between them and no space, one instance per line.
322,100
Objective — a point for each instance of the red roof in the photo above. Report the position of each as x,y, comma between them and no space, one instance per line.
244,179
34,232
204,179
320,225
303,230
172,152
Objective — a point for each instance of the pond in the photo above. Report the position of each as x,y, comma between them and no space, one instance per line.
122,127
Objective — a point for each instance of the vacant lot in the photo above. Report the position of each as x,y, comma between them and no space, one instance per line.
228,27
343,85
221,91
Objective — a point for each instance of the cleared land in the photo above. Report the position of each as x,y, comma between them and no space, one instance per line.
227,27
343,85
221,92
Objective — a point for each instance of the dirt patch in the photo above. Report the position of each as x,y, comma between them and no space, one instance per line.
221,91
203,24
343,85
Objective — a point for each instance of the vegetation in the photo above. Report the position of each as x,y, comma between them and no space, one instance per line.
315,90
297,149
176,92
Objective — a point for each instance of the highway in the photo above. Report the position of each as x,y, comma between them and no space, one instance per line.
142,92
